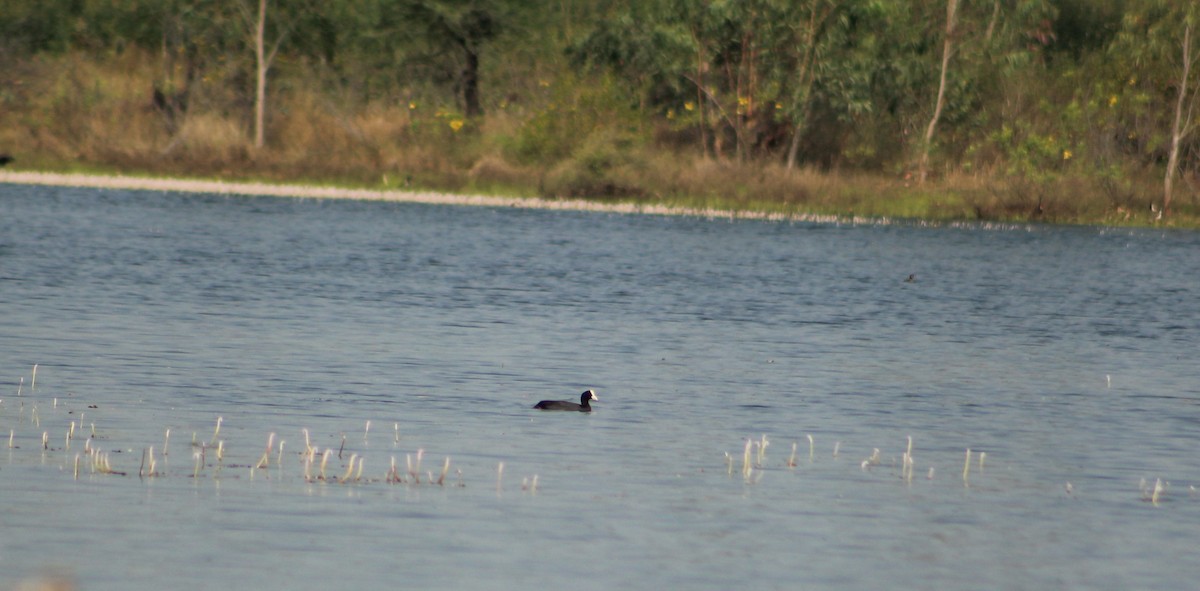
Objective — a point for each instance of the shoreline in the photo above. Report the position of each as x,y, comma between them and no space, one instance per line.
181,185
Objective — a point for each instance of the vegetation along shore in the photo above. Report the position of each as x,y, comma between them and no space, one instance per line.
1062,111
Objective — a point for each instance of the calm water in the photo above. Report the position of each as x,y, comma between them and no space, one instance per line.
1068,355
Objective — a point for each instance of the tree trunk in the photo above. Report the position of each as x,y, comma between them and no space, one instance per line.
947,50
806,82
1179,126
260,89
470,82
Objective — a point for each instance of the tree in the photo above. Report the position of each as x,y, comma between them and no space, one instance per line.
454,35
809,43
1181,123
1160,52
262,62
947,51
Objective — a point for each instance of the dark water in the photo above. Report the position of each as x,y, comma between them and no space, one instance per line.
1067,355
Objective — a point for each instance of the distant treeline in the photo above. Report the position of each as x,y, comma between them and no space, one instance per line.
583,97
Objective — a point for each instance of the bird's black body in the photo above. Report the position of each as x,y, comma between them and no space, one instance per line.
583,406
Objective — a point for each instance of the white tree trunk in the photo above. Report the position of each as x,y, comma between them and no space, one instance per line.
947,50
1179,127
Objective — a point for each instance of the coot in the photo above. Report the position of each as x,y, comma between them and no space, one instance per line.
583,405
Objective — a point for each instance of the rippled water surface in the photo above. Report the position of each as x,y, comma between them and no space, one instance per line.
1067,355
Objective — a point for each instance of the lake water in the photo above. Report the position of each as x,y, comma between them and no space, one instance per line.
1066,355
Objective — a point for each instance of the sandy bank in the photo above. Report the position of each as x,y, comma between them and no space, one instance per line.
309,192
319,192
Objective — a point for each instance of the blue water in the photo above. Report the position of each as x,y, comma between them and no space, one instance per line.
1067,355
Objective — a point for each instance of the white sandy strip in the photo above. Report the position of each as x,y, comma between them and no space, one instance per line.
229,188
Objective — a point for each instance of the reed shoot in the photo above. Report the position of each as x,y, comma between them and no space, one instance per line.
967,466
811,448
349,469
216,431
265,461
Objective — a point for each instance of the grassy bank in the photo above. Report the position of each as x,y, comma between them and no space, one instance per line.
564,140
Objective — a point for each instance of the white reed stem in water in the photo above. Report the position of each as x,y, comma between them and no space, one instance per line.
265,461
967,466
811,448
349,469
216,431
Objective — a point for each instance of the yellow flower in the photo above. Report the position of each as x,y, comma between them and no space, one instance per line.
670,113
743,101
689,106
456,124
412,106
544,83
1112,101
1066,155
